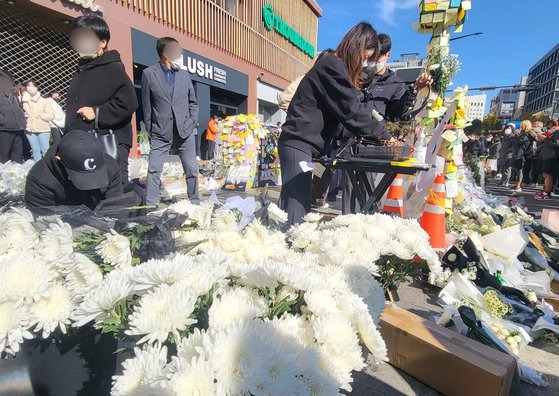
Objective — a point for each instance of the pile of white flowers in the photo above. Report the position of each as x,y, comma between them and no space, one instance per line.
13,176
249,310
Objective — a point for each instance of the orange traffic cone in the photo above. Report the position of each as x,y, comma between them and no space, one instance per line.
433,219
395,198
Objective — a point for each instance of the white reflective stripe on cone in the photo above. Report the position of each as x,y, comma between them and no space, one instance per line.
435,209
394,203
439,188
398,182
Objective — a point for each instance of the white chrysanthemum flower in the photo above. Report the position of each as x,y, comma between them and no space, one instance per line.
162,311
115,250
192,377
14,322
235,305
202,214
184,207
239,355
302,235
338,335
24,277
294,326
56,241
313,217
194,345
157,272
276,214
225,220
53,310
100,301
371,337
83,275
17,231
141,372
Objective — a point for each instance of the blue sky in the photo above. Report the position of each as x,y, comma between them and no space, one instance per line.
517,33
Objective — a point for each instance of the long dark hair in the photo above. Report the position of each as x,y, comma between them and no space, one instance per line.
362,37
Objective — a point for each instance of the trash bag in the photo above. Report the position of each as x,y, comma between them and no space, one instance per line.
478,333
77,216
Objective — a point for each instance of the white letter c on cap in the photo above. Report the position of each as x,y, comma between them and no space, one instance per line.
88,164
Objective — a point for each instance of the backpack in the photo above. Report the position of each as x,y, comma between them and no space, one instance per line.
284,98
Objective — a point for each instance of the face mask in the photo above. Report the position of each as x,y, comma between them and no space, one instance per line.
508,131
32,90
377,67
544,129
178,63
88,50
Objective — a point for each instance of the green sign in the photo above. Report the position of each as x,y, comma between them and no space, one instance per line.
272,21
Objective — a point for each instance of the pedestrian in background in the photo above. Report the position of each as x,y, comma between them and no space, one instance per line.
211,136
12,121
505,155
549,153
101,95
57,124
523,152
493,145
39,113
171,117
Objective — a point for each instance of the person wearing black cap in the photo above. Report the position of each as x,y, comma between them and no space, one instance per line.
74,171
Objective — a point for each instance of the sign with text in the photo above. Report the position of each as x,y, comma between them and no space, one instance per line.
87,4
273,21
205,70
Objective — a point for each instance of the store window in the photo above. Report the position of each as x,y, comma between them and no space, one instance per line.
36,48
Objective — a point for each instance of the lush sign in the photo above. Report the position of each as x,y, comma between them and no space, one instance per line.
272,21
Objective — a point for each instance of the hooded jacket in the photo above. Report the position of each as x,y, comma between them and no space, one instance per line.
324,99
102,83
389,96
11,115
47,184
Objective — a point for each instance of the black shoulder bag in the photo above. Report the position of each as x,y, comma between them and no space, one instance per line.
108,141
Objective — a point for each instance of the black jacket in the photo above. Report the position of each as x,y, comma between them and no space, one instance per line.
521,145
323,100
507,145
48,185
11,114
389,96
494,150
102,83
550,147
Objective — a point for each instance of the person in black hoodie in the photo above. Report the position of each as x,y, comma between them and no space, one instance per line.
100,92
12,121
326,97
74,171
549,154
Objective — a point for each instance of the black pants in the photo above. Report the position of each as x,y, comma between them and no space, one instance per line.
11,146
528,171
296,189
123,153
211,150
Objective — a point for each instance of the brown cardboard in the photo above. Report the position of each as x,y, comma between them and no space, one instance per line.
443,359
552,301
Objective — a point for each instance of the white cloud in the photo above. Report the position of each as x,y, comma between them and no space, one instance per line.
388,8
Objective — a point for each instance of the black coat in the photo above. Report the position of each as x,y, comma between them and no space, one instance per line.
324,99
47,184
11,114
550,147
521,145
102,83
507,144
389,96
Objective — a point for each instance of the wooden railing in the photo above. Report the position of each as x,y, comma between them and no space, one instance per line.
244,35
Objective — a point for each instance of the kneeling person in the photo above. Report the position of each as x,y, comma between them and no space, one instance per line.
74,171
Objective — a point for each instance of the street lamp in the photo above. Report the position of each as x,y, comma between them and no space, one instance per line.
467,35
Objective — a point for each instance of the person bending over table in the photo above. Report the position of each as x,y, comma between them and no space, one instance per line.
74,171
325,98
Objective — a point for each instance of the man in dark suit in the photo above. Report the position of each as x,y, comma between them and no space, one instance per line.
170,115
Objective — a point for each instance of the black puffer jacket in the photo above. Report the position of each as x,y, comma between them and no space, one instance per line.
11,114
102,83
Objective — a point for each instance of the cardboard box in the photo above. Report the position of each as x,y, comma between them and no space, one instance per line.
443,359
550,218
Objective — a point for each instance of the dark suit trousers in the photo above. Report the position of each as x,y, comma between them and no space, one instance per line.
159,152
11,146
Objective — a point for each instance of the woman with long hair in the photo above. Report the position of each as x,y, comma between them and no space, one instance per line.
523,143
326,97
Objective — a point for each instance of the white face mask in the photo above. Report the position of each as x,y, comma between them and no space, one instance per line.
32,90
379,66
178,63
88,50
508,131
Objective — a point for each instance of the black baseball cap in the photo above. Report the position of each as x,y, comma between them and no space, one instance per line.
83,158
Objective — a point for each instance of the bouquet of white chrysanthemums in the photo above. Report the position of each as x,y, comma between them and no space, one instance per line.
250,310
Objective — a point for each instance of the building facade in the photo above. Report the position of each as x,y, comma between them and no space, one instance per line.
545,73
476,107
239,53
409,67
504,104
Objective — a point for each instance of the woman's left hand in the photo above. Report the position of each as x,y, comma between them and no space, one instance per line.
86,113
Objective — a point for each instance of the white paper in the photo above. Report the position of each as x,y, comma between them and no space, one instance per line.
307,166
318,170
451,188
